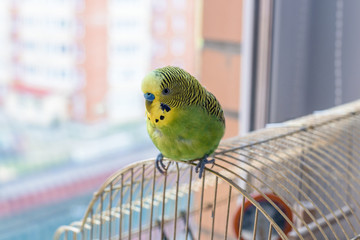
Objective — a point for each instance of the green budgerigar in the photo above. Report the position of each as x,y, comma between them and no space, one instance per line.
184,120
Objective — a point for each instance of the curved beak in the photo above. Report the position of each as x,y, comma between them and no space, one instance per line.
149,97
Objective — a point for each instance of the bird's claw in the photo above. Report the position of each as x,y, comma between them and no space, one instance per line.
159,164
201,165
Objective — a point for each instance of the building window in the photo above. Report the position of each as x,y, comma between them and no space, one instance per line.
178,46
178,24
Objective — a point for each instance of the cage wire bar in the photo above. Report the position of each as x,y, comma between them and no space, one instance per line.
311,164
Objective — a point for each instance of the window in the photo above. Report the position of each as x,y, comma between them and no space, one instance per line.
307,64
178,46
89,111
178,24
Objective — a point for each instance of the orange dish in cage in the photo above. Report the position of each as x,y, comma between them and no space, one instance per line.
249,211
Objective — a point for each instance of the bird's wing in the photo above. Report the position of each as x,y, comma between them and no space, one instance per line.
213,107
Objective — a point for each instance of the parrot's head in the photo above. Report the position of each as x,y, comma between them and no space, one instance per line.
168,88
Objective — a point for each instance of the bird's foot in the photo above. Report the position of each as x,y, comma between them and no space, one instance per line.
159,164
201,165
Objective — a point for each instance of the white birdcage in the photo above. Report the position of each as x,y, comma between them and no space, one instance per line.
296,180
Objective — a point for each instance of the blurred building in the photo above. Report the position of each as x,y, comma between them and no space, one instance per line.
5,56
84,60
175,33
128,57
62,62
44,56
221,57
88,103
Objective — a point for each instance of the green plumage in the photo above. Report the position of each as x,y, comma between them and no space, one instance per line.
184,121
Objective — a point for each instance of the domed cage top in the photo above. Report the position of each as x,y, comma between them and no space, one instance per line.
295,180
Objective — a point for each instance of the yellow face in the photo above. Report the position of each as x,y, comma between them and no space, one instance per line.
151,84
157,112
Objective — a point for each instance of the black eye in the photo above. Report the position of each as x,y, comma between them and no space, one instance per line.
166,91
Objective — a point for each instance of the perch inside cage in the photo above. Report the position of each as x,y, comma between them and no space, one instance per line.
299,180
